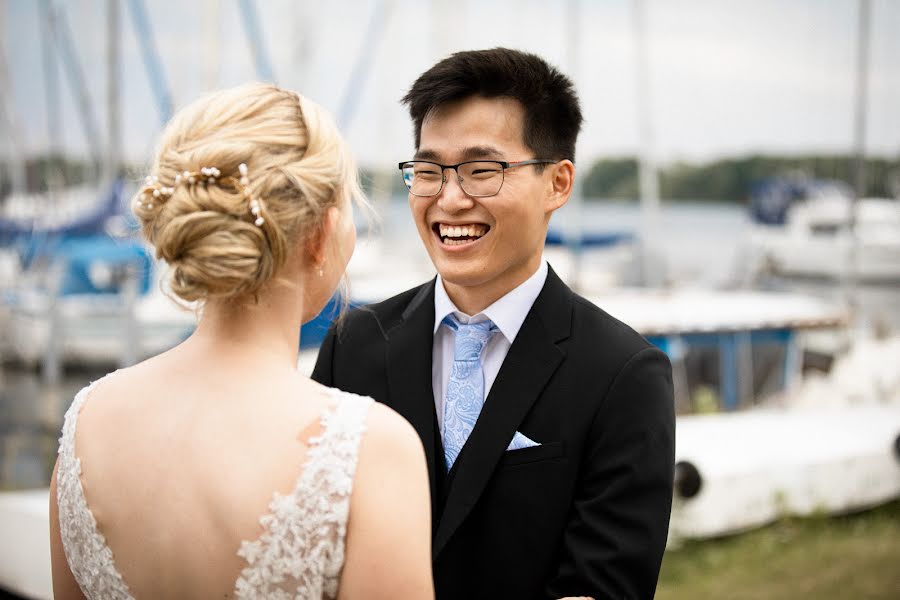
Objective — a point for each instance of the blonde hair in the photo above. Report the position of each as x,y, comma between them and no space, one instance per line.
298,167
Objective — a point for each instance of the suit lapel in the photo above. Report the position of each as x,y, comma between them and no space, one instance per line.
410,389
529,365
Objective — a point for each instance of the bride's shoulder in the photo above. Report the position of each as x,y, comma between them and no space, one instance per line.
106,386
391,472
380,419
387,434
390,443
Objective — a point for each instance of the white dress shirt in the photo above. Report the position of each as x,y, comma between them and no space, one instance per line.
508,313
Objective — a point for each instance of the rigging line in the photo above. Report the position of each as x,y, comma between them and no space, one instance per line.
6,105
152,62
62,36
15,166
257,45
378,20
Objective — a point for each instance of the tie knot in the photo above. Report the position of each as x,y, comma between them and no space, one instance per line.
471,338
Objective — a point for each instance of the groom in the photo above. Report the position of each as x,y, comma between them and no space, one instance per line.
548,425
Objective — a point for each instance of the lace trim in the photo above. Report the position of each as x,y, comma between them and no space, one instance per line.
89,558
301,550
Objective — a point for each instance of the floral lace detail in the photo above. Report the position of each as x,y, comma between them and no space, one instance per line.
90,559
301,551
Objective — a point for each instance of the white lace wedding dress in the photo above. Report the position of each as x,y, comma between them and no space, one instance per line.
301,550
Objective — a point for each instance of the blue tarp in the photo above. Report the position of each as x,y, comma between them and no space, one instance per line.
80,254
600,239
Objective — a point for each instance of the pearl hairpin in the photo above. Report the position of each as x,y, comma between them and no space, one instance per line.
207,176
254,210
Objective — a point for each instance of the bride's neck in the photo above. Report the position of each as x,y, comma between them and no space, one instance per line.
268,330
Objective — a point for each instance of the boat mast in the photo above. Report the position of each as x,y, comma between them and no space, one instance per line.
648,176
862,97
114,121
212,45
15,146
55,178
859,142
575,222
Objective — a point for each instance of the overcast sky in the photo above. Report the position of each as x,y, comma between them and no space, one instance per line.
727,77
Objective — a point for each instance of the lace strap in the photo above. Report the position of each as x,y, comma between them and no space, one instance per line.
89,557
340,439
303,544
335,451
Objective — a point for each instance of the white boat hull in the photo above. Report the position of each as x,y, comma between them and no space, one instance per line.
808,256
817,240
758,466
92,329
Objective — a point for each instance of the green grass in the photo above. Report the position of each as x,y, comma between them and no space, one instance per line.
854,556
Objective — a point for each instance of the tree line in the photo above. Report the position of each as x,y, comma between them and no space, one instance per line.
730,179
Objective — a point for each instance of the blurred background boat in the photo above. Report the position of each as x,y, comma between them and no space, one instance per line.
79,287
810,228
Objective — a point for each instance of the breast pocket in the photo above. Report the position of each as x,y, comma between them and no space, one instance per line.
548,451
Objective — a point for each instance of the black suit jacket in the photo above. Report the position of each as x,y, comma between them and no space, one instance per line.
584,513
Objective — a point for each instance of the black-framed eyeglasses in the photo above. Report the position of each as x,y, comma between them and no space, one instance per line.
477,178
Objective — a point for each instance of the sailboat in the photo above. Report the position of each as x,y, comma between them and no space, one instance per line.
81,286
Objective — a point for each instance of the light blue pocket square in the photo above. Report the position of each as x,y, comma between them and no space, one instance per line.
519,441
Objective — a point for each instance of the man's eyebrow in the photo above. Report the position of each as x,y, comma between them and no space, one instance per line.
470,153
426,155
474,152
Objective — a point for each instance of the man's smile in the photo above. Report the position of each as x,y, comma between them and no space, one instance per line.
458,234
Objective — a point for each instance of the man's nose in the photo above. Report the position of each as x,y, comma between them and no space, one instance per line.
452,197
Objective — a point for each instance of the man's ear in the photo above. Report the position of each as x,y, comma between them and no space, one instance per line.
561,181
318,243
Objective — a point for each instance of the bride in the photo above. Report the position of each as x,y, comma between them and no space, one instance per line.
216,469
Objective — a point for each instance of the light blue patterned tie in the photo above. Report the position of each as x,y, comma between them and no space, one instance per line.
465,392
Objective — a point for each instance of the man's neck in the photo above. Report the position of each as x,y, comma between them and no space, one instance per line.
474,299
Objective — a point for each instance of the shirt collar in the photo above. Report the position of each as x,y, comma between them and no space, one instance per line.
508,313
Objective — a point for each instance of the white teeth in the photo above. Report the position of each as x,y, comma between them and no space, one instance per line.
456,231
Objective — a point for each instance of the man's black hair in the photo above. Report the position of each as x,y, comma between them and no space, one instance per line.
552,112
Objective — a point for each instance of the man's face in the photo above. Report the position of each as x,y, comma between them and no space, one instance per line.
502,236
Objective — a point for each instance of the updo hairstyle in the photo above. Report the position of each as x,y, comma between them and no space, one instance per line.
297,166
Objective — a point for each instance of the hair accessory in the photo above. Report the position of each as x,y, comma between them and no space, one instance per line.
153,190
256,205
210,174
254,210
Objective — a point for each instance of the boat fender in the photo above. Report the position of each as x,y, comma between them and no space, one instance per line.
687,479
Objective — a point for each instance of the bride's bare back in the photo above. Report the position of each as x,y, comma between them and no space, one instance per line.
179,462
